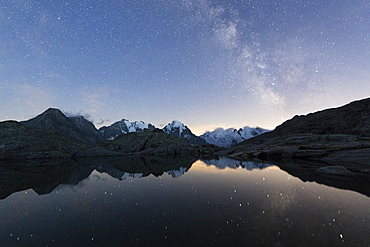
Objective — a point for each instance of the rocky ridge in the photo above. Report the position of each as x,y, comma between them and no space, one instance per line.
338,136
54,135
20,142
77,129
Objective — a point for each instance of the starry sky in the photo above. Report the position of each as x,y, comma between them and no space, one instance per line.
206,63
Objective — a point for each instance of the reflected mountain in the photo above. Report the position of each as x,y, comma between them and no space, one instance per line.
175,173
41,175
223,162
136,167
44,176
307,171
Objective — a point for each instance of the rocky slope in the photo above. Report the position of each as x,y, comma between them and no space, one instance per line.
149,143
350,119
335,136
18,141
77,129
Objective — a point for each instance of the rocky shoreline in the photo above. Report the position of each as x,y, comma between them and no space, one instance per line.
335,149
332,137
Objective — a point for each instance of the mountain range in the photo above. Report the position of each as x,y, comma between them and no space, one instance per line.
123,127
230,137
329,143
54,135
337,136
82,131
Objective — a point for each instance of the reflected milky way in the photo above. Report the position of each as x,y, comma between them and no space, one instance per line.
180,202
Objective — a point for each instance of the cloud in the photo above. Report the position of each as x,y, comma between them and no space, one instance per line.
86,115
102,121
95,99
201,129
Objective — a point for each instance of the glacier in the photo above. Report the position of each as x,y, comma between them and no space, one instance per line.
230,137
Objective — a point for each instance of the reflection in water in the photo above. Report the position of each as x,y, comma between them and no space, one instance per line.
137,167
223,162
176,173
44,176
137,202
305,170
40,175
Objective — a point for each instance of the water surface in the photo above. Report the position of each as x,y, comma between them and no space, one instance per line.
181,202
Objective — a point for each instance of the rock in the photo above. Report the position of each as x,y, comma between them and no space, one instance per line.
308,153
342,138
289,152
335,171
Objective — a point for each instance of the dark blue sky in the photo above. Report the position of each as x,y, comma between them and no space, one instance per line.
205,63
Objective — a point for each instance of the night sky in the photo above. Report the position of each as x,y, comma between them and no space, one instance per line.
205,63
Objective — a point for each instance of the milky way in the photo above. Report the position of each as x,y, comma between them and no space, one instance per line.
205,63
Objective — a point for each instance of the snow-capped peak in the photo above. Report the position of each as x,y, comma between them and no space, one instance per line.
173,127
230,137
123,127
178,129
135,126
175,124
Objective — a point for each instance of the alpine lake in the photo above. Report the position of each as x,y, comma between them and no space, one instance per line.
178,201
